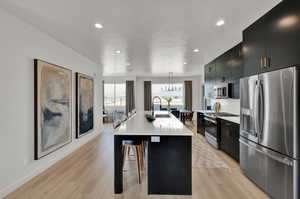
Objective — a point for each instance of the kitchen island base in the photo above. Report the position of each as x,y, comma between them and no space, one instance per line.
169,164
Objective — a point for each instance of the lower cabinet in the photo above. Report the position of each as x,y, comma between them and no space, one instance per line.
229,141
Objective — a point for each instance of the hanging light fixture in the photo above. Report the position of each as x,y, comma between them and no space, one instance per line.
171,82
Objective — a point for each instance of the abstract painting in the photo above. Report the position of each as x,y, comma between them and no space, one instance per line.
53,107
84,104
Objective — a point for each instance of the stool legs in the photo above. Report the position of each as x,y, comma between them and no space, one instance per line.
139,151
138,158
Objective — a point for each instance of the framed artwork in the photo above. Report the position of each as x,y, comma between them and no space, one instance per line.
53,107
84,104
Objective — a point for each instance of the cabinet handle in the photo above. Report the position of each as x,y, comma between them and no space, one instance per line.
261,62
267,62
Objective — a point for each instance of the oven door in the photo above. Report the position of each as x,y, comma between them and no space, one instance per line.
211,126
211,131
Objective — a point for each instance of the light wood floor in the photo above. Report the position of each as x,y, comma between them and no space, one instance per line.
88,174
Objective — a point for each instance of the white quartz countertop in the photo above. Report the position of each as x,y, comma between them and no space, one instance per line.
138,125
231,119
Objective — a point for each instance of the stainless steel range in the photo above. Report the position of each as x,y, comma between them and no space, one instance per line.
212,134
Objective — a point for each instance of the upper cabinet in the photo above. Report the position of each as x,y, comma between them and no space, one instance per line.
272,42
227,68
254,48
229,65
210,74
235,63
222,70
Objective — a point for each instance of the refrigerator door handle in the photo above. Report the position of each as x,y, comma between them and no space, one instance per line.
283,160
261,110
256,107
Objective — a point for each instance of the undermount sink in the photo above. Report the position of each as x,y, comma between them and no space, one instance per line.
162,115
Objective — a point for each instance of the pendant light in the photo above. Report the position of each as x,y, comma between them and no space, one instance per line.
171,82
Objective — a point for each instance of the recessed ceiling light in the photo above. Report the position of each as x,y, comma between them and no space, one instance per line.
98,25
220,22
118,51
184,63
196,50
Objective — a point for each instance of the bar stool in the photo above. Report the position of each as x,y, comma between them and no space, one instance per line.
137,146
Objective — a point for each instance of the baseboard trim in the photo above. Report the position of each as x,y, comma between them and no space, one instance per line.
24,179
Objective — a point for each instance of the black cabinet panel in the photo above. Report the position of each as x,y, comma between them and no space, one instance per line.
282,30
272,42
210,74
236,143
253,47
235,66
234,90
226,138
230,139
236,63
200,123
169,166
223,70
227,68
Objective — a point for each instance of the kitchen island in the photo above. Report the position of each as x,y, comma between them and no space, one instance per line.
169,153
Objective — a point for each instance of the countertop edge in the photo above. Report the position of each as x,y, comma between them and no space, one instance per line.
151,134
184,132
235,120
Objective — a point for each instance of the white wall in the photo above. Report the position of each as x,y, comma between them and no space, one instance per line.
227,105
20,44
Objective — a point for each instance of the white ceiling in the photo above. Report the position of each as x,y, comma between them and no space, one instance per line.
154,36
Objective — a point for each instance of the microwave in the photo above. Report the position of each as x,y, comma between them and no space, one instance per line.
221,91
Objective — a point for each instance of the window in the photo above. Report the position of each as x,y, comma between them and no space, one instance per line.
114,96
161,90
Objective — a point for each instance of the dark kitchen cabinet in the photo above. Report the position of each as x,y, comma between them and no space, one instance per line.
223,71
272,41
226,138
229,141
235,66
227,68
229,65
210,73
282,30
200,123
254,48
236,62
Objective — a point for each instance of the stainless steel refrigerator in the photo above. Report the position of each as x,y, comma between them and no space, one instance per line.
269,134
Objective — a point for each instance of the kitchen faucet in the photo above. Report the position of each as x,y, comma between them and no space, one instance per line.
152,104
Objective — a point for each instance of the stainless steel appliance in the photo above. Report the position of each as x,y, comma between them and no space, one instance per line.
221,91
211,130
212,134
269,142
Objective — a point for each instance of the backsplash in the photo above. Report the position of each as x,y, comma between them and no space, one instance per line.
227,105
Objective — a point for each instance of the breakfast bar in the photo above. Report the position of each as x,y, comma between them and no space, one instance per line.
169,153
